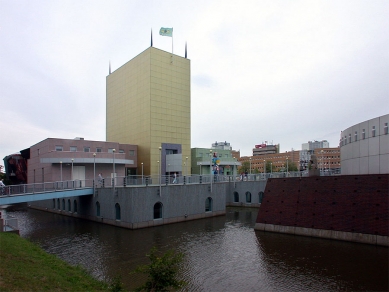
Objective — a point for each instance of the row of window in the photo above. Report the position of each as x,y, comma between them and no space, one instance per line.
88,149
344,140
157,209
63,206
226,155
248,197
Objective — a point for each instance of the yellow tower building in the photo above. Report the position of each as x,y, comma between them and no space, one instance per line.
148,104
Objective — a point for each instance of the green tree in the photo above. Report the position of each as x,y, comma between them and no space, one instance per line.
245,167
291,166
161,272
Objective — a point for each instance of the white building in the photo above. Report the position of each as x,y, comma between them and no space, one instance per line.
364,147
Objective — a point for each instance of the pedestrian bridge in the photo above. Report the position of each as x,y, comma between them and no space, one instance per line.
15,194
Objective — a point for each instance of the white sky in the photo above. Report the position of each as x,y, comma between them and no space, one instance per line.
285,72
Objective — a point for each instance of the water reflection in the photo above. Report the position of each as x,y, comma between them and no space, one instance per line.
221,254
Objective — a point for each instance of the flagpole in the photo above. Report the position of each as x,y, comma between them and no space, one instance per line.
172,40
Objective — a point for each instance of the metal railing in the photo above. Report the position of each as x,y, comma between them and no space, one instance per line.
138,180
45,187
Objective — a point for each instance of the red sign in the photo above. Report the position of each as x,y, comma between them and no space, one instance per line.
260,146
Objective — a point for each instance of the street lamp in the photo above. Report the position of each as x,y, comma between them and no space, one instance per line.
271,169
159,170
321,160
142,172
94,168
186,170
287,166
60,163
264,167
250,165
210,167
200,168
72,168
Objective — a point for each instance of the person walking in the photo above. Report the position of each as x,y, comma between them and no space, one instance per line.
2,187
175,178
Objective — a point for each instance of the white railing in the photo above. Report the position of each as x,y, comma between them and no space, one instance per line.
45,187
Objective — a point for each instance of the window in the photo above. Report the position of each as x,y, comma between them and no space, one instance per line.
53,203
73,148
132,152
260,194
226,155
98,150
58,205
58,148
121,151
349,138
248,197
63,204
75,206
373,131
158,210
236,197
117,212
386,129
356,136
86,149
363,134
110,150
69,206
97,209
345,140
208,204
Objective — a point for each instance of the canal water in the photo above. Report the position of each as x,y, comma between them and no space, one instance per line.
223,253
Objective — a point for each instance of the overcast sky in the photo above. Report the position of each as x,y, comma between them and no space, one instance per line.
286,72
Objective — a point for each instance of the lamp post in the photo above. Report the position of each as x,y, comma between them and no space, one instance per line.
321,168
142,172
200,168
186,163
60,163
210,167
72,169
159,170
94,168
250,166
264,167
271,169
287,166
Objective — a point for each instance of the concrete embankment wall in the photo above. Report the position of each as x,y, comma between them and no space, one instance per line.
352,208
179,203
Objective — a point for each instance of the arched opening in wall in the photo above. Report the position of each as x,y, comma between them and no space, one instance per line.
260,199
236,197
118,215
69,206
98,209
248,197
58,205
158,210
53,203
63,204
208,204
75,206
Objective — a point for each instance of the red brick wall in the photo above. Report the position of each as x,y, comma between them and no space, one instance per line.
352,203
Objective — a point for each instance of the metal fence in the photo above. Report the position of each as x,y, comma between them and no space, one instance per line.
138,180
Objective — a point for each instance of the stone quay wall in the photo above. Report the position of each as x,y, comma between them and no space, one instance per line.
352,207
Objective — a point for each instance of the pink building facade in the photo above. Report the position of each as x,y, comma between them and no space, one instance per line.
55,159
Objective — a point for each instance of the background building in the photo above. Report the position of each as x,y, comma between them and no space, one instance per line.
148,104
312,145
364,147
264,149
